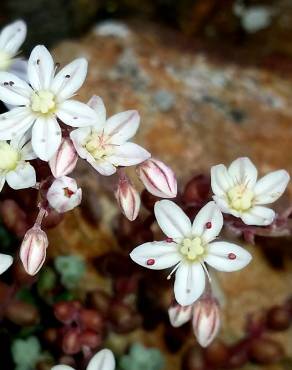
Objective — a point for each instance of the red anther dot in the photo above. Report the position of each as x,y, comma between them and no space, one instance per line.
68,193
150,262
208,225
232,256
169,240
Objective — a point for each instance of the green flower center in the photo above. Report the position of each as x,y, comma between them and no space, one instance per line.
97,146
9,157
5,60
43,102
240,198
192,249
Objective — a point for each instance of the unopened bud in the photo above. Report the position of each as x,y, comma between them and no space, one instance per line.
128,198
179,315
33,250
65,159
64,195
206,320
158,178
5,262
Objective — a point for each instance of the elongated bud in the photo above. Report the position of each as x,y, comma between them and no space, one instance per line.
206,320
179,315
158,178
128,198
65,159
64,195
33,249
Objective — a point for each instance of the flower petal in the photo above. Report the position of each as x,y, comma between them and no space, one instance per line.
156,255
40,68
62,367
270,187
259,216
78,138
227,256
189,283
104,167
70,79
2,182
208,222
5,262
76,114
220,180
243,171
12,37
46,137
122,126
96,103
224,206
19,68
13,90
103,360
15,123
172,220
22,177
128,154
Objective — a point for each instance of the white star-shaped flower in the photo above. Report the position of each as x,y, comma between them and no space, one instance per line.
46,98
237,191
103,360
5,262
105,144
14,167
188,247
11,38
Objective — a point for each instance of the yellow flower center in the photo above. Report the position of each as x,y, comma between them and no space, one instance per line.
97,146
9,157
192,249
43,102
240,197
5,60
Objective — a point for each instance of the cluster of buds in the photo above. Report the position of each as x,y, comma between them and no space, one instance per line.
205,317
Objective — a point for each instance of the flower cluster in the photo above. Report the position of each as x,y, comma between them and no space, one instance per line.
44,122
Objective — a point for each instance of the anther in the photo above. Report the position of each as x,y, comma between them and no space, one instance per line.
169,240
150,262
38,61
67,76
232,256
208,225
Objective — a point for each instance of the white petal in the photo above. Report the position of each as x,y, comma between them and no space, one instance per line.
70,79
122,126
13,90
227,256
159,255
243,171
2,182
46,137
12,37
22,177
270,187
62,367
104,167
5,262
15,123
259,216
224,206
189,283
40,68
78,138
208,222
103,360
19,68
76,114
172,220
96,103
128,154
220,180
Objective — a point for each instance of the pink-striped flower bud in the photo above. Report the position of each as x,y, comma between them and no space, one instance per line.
158,178
179,315
33,249
206,320
128,198
65,159
64,195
